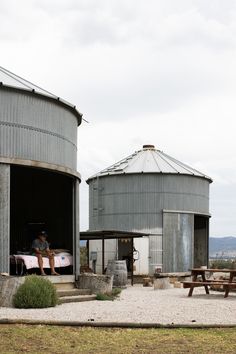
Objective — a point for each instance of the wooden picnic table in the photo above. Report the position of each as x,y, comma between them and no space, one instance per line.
195,282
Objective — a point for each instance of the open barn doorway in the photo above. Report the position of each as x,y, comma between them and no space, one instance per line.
40,200
125,252
201,240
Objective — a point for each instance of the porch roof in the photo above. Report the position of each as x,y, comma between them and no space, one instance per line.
109,234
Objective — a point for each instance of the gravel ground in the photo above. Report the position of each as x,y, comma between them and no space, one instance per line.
141,305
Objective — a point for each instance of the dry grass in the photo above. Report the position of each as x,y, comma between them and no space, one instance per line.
52,339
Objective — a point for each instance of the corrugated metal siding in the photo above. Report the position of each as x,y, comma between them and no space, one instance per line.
37,129
155,252
141,264
136,202
178,242
4,217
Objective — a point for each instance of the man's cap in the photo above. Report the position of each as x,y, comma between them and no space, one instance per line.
42,233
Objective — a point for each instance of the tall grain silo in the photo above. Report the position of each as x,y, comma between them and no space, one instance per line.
153,193
39,182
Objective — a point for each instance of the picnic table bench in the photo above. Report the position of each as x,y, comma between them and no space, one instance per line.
195,282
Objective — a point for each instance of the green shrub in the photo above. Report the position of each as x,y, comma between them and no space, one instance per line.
221,264
109,296
116,292
36,292
83,256
104,297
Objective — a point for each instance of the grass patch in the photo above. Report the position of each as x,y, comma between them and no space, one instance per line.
73,340
109,296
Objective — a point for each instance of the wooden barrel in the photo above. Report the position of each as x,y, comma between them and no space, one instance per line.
119,270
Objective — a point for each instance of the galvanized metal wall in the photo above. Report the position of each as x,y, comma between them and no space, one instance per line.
4,217
141,266
136,203
155,252
178,242
34,128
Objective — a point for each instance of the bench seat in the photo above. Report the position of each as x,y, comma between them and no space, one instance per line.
189,284
193,284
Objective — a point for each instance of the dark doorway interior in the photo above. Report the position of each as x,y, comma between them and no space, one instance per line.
125,252
40,199
201,236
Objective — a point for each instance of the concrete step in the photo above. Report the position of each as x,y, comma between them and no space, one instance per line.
77,298
62,282
73,292
61,278
65,286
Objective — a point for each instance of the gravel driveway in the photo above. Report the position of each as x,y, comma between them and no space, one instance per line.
142,305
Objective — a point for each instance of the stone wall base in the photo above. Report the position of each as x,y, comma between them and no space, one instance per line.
8,288
95,282
162,283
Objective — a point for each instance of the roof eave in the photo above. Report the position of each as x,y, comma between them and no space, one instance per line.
55,99
156,173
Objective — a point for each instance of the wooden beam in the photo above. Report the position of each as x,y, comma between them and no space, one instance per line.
103,256
132,261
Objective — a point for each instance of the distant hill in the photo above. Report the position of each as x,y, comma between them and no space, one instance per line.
222,245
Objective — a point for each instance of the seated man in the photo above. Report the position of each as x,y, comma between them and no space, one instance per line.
41,249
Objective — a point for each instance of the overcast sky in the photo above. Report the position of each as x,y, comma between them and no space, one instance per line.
159,72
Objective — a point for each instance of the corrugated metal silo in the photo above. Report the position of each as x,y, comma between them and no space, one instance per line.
154,193
38,165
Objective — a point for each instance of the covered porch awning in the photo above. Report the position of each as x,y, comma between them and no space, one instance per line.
109,235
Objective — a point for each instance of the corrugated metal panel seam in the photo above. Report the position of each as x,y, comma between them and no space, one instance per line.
43,131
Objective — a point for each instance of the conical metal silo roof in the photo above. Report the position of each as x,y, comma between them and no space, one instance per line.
11,80
150,160
8,78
